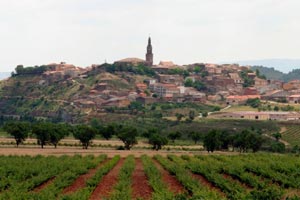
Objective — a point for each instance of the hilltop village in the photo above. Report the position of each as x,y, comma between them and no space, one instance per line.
98,87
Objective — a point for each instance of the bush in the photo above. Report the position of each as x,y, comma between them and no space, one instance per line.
278,147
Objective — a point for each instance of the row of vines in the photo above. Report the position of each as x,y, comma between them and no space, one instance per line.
251,176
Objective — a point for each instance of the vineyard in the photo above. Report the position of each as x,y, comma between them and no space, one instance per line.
292,135
251,176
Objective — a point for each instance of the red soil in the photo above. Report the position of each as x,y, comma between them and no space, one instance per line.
208,184
43,185
140,186
80,182
107,183
173,184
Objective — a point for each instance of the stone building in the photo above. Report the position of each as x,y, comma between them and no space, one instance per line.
149,54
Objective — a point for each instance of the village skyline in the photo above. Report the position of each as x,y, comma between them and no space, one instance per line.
88,32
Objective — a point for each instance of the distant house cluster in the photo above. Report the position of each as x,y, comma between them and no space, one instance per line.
251,115
229,84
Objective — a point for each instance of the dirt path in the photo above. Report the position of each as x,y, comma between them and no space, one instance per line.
206,183
80,182
173,184
140,185
43,185
280,140
107,183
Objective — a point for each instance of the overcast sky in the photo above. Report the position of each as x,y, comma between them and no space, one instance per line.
85,32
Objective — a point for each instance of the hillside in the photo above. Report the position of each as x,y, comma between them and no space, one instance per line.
283,65
60,98
274,74
270,73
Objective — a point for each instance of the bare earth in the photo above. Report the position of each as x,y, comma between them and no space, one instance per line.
8,147
6,140
48,151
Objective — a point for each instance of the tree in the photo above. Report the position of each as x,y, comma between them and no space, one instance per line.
277,136
95,123
41,130
192,115
254,103
196,136
135,105
128,136
150,132
189,82
197,69
157,141
108,131
199,85
179,116
58,132
17,129
204,114
212,141
174,136
255,141
248,140
278,147
85,134
225,138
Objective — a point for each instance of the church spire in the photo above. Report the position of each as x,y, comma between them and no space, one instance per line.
149,54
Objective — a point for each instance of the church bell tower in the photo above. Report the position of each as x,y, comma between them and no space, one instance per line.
149,54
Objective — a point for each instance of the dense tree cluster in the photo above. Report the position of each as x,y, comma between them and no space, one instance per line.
140,69
244,141
21,70
200,86
247,80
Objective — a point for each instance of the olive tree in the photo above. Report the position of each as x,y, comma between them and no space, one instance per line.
128,136
85,134
19,130
157,141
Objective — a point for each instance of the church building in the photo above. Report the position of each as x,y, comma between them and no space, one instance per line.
138,61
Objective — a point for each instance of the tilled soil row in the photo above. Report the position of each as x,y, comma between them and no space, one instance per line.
207,184
107,183
173,184
44,184
80,182
140,185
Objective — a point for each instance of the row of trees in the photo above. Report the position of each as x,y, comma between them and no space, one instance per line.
222,140
140,69
45,132
51,133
